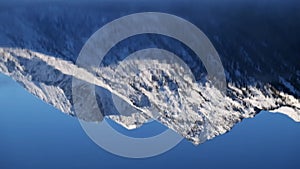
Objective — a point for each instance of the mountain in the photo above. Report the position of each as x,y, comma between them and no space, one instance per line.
258,49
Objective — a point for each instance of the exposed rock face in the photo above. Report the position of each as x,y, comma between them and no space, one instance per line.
39,49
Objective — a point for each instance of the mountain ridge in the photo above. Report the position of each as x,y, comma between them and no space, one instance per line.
259,57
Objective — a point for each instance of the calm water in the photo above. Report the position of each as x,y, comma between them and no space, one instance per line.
35,135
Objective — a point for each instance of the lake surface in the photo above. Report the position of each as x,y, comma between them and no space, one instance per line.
33,134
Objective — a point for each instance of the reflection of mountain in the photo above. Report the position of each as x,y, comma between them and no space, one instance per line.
259,56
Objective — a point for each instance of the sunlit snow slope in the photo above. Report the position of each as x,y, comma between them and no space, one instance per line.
39,46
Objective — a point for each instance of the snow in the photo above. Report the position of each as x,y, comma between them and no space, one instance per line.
148,88
51,38
288,85
290,112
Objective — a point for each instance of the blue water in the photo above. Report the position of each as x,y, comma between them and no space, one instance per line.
36,135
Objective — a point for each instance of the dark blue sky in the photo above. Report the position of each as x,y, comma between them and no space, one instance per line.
35,135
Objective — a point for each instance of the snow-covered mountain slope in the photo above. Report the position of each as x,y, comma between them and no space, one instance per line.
197,111
39,49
